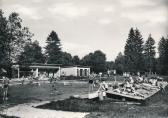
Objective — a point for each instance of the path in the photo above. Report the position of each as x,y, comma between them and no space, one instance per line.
28,111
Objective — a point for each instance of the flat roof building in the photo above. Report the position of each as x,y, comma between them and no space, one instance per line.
49,70
36,69
77,70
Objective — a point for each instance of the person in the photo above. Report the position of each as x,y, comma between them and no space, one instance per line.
23,79
131,80
145,80
162,88
96,83
101,91
51,79
140,79
103,86
5,88
91,84
128,86
108,73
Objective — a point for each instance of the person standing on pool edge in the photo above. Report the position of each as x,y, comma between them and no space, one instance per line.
5,88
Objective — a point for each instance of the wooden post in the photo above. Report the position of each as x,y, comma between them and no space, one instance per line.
36,75
18,72
59,71
115,76
100,94
89,72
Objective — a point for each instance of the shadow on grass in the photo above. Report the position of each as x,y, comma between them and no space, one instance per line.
83,105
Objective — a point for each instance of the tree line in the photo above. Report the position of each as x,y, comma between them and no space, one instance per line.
16,46
140,55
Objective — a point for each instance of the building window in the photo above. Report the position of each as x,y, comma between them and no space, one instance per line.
81,72
86,72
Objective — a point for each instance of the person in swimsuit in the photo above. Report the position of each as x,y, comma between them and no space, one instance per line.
5,88
91,85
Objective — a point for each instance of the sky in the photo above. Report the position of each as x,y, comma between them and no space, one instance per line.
84,26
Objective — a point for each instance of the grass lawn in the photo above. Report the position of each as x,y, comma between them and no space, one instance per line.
45,92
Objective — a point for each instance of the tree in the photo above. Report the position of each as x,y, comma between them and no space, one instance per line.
120,63
99,61
110,65
53,48
13,38
149,54
18,36
3,37
76,60
65,59
87,60
32,54
133,51
96,60
163,56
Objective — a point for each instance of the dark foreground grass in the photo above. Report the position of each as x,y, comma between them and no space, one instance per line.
108,108
82,105
4,116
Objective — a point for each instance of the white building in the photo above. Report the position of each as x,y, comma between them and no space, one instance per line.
36,69
50,70
79,71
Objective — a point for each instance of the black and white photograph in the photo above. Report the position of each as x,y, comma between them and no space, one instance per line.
83,58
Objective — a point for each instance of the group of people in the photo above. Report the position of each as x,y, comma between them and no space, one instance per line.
132,83
103,86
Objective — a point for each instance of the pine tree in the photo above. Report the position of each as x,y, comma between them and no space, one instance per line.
133,51
53,48
163,55
149,54
128,51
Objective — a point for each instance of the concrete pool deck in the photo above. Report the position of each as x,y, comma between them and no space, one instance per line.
29,111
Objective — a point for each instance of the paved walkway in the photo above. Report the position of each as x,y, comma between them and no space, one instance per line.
28,111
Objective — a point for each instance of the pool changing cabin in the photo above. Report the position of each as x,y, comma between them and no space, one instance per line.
78,71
